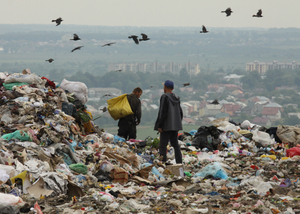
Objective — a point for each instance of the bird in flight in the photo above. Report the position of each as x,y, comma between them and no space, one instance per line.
49,60
228,11
58,21
75,37
135,38
119,70
104,109
108,44
204,29
77,48
144,37
185,84
258,14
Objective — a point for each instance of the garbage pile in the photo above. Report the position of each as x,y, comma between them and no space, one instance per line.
55,160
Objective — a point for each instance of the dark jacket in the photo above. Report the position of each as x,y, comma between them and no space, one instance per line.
170,113
135,105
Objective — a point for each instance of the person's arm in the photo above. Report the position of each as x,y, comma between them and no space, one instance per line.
138,113
181,113
163,111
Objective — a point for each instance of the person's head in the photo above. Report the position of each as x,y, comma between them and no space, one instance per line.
137,92
168,86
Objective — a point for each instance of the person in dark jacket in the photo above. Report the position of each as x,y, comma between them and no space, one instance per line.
127,125
168,122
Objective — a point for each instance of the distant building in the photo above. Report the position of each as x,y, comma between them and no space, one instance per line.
231,109
192,68
223,87
190,108
236,78
263,121
259,98
212,110
263,67
294,115
272,113
259,106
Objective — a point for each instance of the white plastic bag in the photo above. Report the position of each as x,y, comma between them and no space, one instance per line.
9,199
28,78
3,176
263,138
79,89
9,170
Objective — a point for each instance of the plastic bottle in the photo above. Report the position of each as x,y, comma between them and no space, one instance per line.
247,153
229,143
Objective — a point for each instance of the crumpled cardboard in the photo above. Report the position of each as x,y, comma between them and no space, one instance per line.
119,175
38,189
176,169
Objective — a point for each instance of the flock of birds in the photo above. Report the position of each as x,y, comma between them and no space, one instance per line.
228,12
76,38
145,37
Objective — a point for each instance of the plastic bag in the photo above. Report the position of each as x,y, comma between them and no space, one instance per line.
6,118
263,138
8,199
215,169
107,137
293,152
79,168
9,86
119,107
3,176
20,135
79,89
9,170
154,171
28,78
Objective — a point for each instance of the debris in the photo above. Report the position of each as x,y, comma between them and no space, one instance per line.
55,160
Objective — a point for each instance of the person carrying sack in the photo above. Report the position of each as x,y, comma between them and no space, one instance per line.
127,125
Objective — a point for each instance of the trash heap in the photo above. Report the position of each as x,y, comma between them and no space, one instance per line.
54,160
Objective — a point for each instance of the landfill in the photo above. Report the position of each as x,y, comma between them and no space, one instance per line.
55,160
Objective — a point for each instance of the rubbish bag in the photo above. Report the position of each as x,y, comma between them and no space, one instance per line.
79,89
200,140
287,133
9,86
8,199
79,168
28,78
214,169
119,107
293,152
20,135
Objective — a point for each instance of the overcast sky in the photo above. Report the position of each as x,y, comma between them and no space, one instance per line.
189,13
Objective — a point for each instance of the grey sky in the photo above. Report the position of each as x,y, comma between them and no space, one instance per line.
190,13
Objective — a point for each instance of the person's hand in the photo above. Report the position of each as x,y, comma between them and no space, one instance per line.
160,130
137,123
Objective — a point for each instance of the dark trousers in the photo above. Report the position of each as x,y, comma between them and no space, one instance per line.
164,140
127,129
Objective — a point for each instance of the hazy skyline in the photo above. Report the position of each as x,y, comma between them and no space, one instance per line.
181,13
